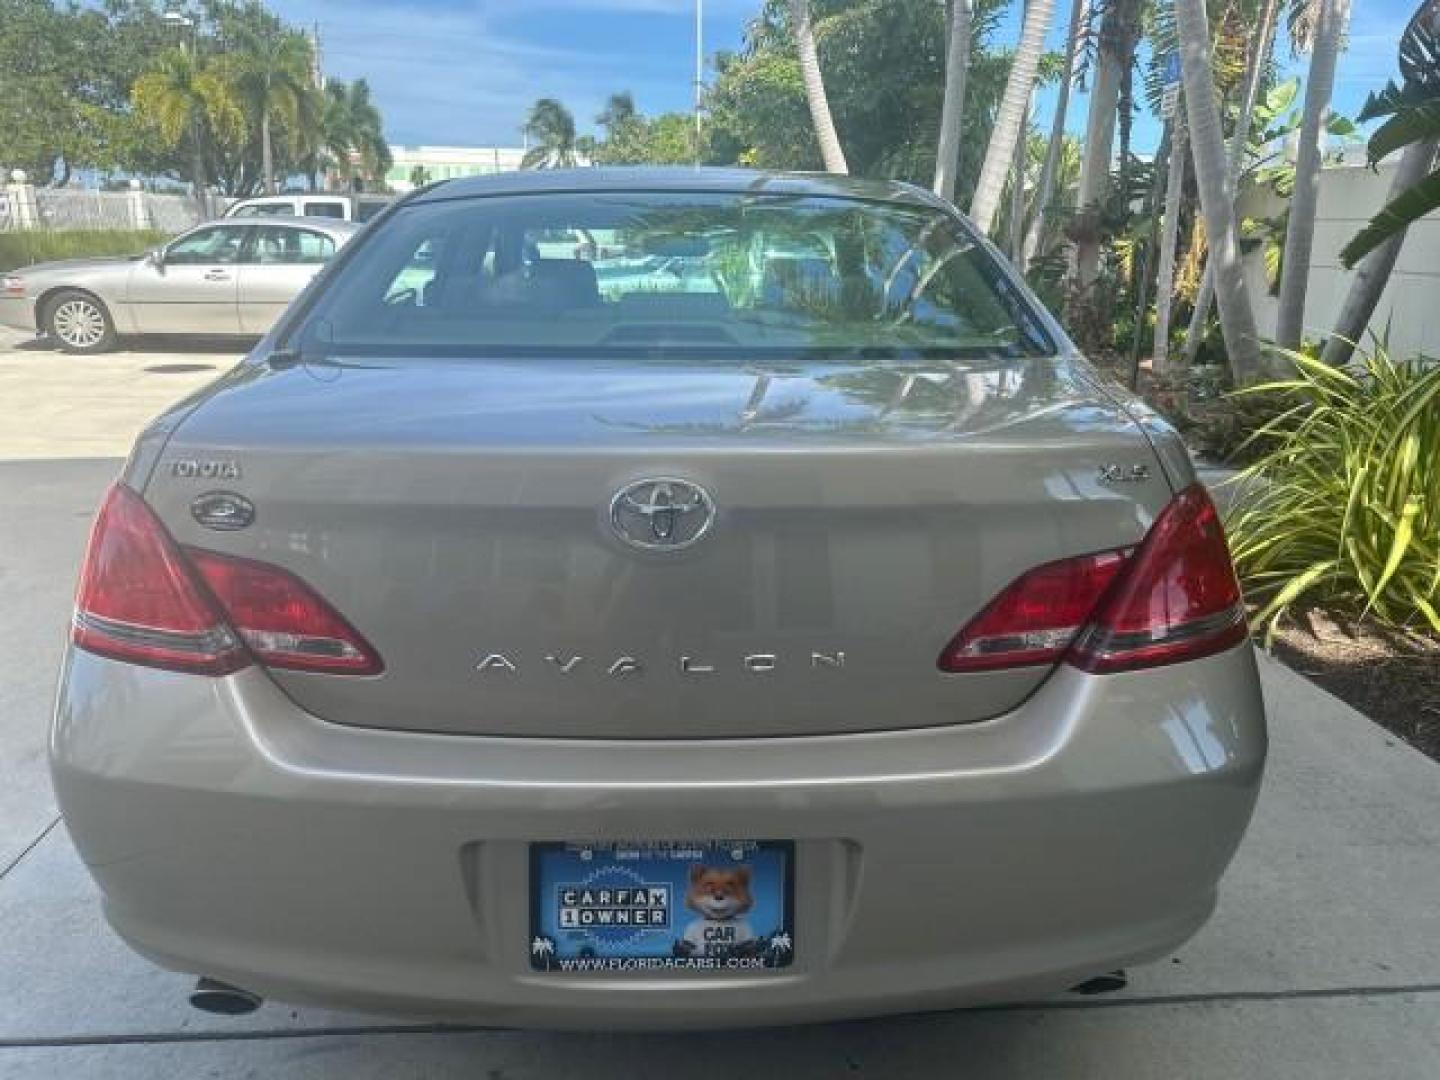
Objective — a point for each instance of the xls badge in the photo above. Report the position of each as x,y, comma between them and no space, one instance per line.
1117,473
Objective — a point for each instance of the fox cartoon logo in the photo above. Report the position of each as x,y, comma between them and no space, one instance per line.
721,897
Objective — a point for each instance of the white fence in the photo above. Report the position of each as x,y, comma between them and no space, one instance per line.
62,208
25,206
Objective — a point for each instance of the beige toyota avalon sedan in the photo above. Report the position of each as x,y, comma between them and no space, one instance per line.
658,599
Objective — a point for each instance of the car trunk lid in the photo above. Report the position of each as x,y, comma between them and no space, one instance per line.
459,515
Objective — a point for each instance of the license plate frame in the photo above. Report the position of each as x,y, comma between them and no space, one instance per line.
703,906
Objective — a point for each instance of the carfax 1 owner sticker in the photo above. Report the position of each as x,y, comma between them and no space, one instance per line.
718,905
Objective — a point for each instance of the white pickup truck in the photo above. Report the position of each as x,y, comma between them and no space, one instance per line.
323,204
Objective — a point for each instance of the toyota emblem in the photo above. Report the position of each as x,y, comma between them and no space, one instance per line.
661,514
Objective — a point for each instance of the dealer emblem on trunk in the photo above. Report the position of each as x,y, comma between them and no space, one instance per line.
661,514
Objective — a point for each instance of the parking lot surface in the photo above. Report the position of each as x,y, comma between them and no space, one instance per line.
61,406
1323,959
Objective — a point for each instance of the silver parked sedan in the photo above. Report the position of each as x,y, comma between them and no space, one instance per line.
222,278
766,616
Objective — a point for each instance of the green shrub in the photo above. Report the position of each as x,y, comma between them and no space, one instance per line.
1342,510
22,248
1223,426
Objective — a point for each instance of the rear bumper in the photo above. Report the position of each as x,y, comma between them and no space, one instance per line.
236,836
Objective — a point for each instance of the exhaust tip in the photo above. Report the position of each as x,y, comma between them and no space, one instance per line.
214,996
1102,984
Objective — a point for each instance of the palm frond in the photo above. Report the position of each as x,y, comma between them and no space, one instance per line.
1411,124
1420,47
1397,215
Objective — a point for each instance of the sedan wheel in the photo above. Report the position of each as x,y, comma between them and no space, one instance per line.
80,323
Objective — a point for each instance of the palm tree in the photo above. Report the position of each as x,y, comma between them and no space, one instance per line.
952,113
618,113
1015,235
1115,51
337,130
353,131
1414,121
624,133
186,99
1329,28
273,70
830,150
1045,186
1169,233
551,129
1257,59
375,157
1010,117
1237,318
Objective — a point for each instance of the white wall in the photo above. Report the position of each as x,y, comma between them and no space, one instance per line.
1349,196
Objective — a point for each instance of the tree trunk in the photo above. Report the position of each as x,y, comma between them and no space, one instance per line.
1095,163
1010,117
1140,276
1300,232
1096,153
1373,273
1045,187
1237,318
1169,233
1017,190
197,169
1239,140
952,114
267,157
830,149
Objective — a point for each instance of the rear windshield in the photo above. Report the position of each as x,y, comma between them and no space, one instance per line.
368,209
728,275
326,208
276,209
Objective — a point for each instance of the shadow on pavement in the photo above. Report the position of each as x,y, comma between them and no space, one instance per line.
160,345
178,369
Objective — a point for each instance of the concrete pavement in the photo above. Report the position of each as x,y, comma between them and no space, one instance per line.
1323,959
61,406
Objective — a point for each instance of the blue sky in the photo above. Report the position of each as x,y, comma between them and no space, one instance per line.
463,72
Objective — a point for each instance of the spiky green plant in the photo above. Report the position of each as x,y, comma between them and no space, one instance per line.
1342,510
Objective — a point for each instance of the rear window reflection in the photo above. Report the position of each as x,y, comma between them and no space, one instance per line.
727,273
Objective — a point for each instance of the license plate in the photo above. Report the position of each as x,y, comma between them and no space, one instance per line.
713,905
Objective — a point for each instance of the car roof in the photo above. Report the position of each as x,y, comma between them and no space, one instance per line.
291,196
290,221
677,179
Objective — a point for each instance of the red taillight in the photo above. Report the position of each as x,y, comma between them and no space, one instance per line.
139,601
1178,600
143,600
284,622
1173,598
1037,616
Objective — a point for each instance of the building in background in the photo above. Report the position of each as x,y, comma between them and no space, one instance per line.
448,162
1350,194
